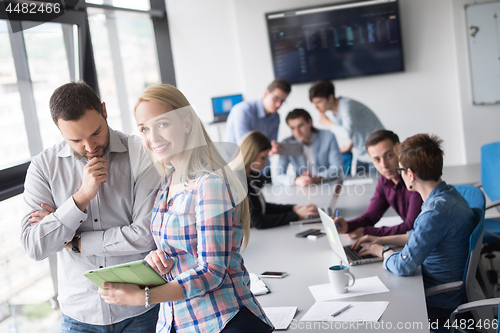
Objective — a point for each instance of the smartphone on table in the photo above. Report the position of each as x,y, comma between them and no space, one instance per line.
269,274
308,232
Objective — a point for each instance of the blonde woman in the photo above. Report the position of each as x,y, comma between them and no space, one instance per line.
255,147
200,222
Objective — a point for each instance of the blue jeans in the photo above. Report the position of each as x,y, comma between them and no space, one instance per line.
145,323
347,159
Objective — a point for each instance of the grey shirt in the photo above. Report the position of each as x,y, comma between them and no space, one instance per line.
359,122
114,229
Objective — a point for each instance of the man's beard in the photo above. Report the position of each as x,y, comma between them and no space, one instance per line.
103,147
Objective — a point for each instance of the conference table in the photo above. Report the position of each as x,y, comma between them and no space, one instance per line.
306,261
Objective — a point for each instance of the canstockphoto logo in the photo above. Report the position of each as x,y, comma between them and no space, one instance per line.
38,12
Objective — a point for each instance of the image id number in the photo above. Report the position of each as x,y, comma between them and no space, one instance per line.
471,324
33,8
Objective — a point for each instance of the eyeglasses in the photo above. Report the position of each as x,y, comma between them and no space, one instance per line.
276,99
399,170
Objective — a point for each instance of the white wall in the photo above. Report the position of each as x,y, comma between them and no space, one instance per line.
481,123
204,46
221,47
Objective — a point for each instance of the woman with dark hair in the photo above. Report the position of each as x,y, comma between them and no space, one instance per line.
439,240
255,147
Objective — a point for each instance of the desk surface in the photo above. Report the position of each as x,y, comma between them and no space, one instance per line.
307,261
462,174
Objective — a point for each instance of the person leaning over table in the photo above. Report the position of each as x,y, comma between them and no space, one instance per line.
440,239
259,115
356,118
255,147
390,191
200,222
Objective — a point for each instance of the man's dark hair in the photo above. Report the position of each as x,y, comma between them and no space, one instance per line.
423,154
280,84
72,100
379,136
321,89
300,113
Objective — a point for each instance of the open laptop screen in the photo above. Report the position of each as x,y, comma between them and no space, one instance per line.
222,105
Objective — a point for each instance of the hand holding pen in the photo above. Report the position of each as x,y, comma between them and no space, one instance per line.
340,223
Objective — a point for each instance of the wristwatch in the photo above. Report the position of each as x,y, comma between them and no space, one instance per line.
74,243
387,248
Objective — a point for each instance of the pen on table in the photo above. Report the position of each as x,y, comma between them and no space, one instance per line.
336,215
341,310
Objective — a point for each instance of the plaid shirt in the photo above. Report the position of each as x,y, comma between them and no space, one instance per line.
200,229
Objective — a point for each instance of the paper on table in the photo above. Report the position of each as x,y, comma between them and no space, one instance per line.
390,221
257,286
359,311
364,286
281,317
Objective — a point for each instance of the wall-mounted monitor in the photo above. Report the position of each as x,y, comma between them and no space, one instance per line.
222,105
336,41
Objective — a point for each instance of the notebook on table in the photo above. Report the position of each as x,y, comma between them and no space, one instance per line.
345,253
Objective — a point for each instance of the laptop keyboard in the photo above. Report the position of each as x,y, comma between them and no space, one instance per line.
316,216
354,255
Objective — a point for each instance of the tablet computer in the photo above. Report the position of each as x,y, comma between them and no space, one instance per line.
136,272
291,148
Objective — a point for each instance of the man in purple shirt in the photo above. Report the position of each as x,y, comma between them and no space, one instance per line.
390,191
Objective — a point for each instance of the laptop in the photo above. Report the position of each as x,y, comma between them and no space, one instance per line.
330,209
223,105
345,253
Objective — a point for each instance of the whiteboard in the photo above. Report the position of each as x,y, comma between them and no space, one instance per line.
483,34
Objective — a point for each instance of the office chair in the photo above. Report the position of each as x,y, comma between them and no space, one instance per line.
469,284
476,305
490,183
471,306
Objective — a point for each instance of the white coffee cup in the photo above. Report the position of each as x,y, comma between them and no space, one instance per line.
339,278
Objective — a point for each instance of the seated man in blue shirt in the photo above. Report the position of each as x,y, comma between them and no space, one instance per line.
321,160
440,239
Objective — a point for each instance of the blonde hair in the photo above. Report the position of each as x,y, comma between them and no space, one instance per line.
200,154
252,144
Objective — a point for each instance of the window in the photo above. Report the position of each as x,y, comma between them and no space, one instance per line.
48,65
132,4
126,61
12,124
26,288
118,47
